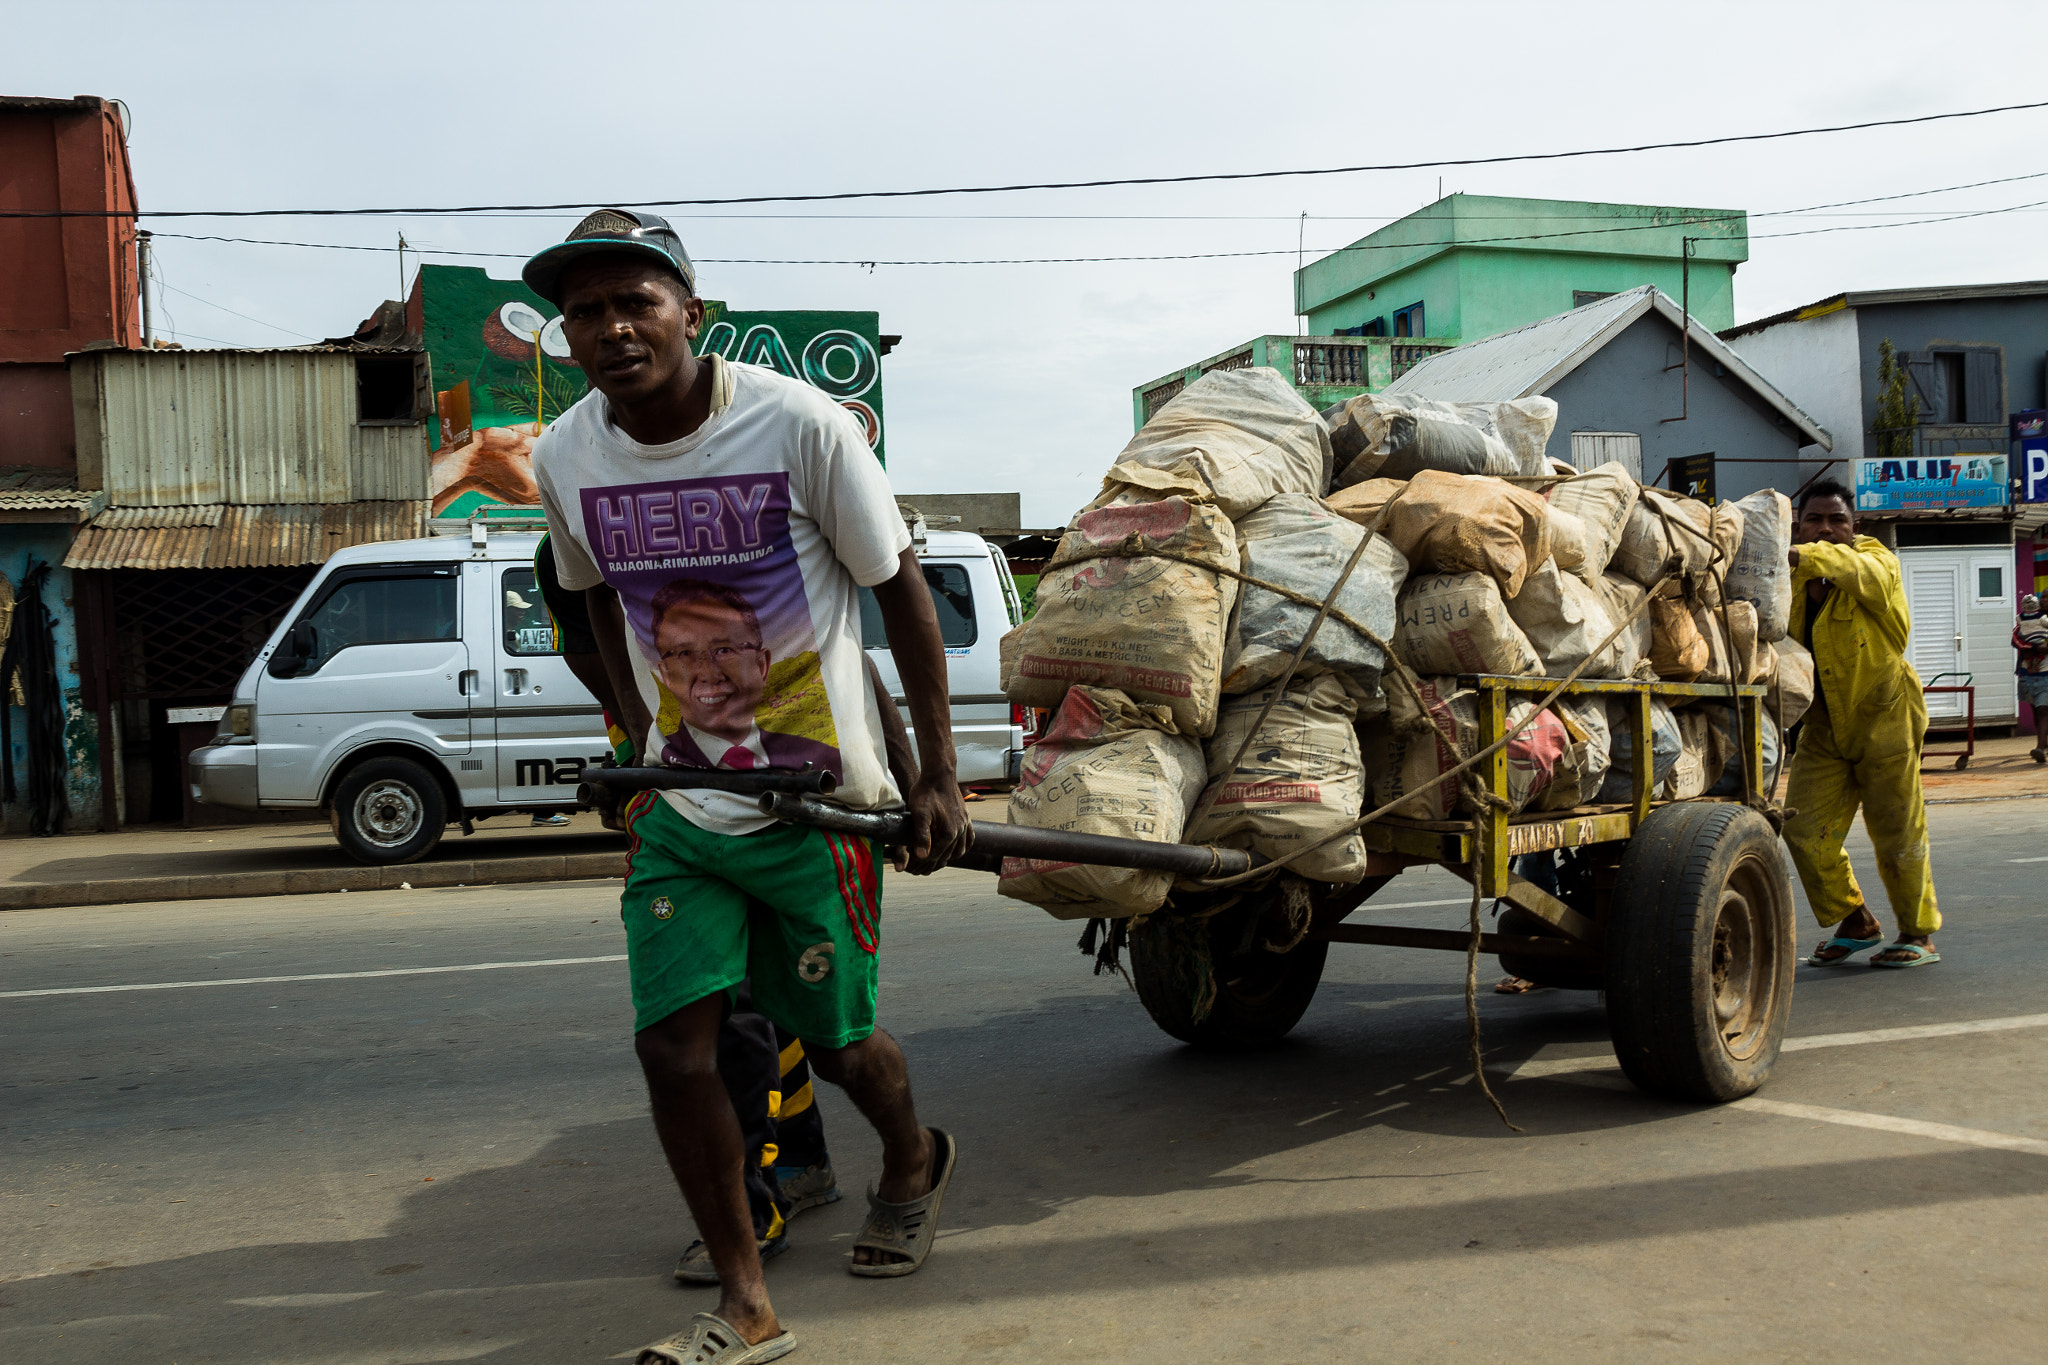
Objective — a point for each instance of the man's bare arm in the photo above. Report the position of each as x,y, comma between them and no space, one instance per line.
896,739
608,624
935,805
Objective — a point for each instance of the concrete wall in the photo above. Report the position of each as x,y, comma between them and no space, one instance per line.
1625,387
2020,325
35,417
19,545
978,512
1817,364
69,282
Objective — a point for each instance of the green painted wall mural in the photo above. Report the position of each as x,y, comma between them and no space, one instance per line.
501,365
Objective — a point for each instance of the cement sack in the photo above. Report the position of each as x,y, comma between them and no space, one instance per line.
1106,765
1791,682
1730,635
1583,770
1296,542
1567,541
1622,597
1686,536
1728,747
1151,627
1760,574
1457,623
1449,524
1403,760
1678,652
1603,500
1689,776
1567,622
1246,432
1665,748
1397,436
1300,781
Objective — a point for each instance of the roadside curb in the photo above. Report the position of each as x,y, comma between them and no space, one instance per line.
488,872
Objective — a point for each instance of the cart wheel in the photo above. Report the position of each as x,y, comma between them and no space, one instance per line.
1962,762
1259,995
1700,953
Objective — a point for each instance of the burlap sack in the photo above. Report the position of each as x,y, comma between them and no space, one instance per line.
1602,499
1791,682
1584,768
1686,535
1447,523
1689,776
1397,436
1300,781
1247,432
1632,650
1567,622
1151,627
1677,650
1402,760
1296,542
1456,623
1665,747
1567,541
1761,574
1730,633
1727,744
1106,765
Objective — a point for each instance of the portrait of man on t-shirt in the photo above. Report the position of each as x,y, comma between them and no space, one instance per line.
715,665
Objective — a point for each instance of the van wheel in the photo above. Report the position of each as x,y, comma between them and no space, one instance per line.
389,810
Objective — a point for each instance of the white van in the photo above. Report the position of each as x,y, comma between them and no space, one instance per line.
415,684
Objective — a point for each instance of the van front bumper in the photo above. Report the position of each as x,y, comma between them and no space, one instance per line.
225,775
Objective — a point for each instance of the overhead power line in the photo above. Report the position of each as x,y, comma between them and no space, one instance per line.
1207,177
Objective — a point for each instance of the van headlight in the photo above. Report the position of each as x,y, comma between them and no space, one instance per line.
239,722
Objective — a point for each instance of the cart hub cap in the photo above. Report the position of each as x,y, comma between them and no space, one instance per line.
1743,965
388,813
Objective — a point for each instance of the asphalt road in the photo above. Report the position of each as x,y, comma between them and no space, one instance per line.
458,1165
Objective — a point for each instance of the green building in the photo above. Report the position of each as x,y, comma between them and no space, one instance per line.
1471,266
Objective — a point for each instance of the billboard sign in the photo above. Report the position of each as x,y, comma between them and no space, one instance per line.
1933,484
502,367
2030,433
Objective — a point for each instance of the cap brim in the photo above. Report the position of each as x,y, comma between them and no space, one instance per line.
543,274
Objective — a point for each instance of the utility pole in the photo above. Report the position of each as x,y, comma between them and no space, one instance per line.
142,278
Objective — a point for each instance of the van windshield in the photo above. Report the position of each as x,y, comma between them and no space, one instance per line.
952,597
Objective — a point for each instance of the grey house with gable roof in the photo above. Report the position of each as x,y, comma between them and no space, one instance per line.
1632,381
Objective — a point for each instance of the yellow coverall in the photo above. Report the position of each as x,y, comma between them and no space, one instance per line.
1864,747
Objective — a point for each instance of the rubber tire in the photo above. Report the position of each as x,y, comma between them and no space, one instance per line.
368,846
1671,893
1259,997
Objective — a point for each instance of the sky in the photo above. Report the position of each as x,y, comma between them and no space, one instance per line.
1019,377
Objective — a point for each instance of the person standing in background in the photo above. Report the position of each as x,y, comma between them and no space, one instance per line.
2030,641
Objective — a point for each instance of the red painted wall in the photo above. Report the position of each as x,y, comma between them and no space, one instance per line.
65,283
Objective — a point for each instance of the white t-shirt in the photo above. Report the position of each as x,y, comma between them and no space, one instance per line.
736,552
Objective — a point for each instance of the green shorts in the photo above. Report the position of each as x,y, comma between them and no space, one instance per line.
793,907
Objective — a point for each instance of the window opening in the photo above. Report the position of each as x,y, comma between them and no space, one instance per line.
528,627
1582,297
381,611
1408,321
384,389
952,597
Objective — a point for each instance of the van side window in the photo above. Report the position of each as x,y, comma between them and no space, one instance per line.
528,627
383,611
952,597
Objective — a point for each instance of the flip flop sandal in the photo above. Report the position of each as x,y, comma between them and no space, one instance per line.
1849,946
711,1340
907,1229
695,1266
1922,955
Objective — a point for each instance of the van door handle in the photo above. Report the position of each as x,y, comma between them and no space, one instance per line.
467,682
515,681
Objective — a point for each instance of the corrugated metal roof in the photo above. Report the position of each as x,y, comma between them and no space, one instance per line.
1528,360
31,493
215,536
1872,298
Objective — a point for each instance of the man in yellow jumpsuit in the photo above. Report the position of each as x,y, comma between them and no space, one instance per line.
1861,741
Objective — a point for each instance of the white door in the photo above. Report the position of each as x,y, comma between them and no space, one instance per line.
548,726
1934,594
387,661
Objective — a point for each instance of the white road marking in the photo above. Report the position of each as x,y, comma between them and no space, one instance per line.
1942,1132
2027,860
313,976
1404,1000
1535,1068
303,1300
1416,905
